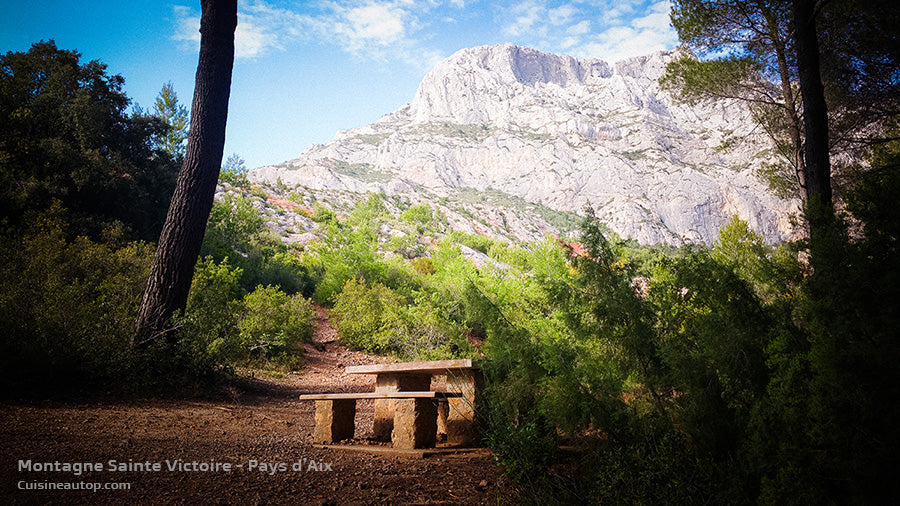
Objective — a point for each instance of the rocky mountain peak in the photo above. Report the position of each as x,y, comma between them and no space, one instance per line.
499,84
545,133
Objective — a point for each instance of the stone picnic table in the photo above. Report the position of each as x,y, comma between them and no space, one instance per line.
407,411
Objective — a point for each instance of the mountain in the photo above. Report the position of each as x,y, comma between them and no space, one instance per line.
509,141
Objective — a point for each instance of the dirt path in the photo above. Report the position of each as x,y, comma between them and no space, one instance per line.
177,451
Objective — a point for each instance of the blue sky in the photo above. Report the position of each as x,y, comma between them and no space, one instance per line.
305,69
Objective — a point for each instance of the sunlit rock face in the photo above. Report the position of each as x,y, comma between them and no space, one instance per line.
559,133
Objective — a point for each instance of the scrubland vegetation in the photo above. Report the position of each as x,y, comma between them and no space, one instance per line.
621,374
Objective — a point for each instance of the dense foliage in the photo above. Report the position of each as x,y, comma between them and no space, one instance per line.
81,180
65,135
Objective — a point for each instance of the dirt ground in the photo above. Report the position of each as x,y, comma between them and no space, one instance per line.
177,451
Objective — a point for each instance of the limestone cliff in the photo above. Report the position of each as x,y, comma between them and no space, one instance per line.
552,132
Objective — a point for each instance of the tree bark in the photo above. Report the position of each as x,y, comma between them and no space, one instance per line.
787,93
182,234
815,110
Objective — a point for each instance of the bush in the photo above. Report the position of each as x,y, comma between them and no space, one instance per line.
345,254
377,319
525,447
284,269
423,265
233,223
213,310
322,214
275,323
476,242
68,306
419,213
647,467
234,171
369,317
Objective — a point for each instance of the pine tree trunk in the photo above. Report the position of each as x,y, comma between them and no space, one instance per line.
182,234
787,94
815,110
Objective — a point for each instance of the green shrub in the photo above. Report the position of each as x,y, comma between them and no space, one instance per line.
370,317
377,319
424,218
213,310
525,447
344,254
423,265
646,467
322,214
476,242
234,171
67,306
419,213
366,212
274,323
233,223
284,269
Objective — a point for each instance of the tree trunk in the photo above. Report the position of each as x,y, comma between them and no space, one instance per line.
787,93
815,110
182,234
819,207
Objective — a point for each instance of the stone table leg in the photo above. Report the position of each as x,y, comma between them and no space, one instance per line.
415,423
442,409
334,420
384,408
461,415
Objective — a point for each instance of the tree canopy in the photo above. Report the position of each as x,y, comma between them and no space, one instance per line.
65,135
746,50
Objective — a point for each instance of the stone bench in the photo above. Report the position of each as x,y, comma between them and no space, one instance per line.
414,417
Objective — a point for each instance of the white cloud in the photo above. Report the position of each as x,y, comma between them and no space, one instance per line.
378,29
258,31
382,24
580,28
187,26
561,15
525,16
638,36
399,30
607,29
568,42
656,19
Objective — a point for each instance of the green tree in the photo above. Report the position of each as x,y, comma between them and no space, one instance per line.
234,171
370,317
213,310
745,53
67,305
176,117
64,135
819,202
762,52
233,225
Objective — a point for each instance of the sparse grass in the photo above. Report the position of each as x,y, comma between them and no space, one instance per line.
638,154
373,139
365,172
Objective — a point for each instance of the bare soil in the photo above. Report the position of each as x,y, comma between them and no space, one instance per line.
264,429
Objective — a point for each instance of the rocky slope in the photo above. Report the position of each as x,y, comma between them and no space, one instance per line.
502,139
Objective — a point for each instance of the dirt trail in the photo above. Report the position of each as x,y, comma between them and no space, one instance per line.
177,451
